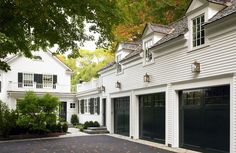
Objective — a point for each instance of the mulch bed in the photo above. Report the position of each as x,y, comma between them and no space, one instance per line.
30,136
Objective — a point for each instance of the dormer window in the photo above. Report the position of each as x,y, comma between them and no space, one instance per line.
198,32
148,54
118,65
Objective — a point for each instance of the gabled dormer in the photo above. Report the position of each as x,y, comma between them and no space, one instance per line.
199,12
123,50
152,33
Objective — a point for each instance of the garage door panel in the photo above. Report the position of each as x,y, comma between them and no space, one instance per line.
121,115
152,117
205,118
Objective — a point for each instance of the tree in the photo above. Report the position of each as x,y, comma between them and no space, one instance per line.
36,113
27,25
137,13
86,66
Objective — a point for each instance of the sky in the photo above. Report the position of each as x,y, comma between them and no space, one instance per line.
88,45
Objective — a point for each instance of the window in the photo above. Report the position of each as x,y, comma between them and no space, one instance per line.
86,106
198,32
72,105
47,81
95,105
148,54
28,79
118,65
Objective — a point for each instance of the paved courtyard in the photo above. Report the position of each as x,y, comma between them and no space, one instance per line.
81,144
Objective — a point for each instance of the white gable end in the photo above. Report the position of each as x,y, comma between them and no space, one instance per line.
195,4
147,31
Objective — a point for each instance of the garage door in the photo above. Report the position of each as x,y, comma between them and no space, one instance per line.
205,118
121,115
152,117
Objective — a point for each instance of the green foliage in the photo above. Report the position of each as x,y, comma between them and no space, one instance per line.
28,25
74,119
65,127
37,113
86,66
7,119
91,124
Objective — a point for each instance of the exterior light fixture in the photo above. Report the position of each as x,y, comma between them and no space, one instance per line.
146,78
195,67
103,88
118,85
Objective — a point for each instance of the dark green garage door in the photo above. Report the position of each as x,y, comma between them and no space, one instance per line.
121,115
205,118
152,117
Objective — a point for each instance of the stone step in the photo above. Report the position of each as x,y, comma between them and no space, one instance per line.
97,128
96,131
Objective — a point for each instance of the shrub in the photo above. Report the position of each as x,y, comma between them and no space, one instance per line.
74,119
91,124
65,127
58,127
37,113
96,124
7,119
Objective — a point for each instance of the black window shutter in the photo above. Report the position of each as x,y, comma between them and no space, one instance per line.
98,105
20,79
78,106
82,106
54,81
0,86
38,78
91,105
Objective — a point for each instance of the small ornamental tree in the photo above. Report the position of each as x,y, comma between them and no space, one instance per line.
36,113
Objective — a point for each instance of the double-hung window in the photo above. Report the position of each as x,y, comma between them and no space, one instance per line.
28,79
47,81
198,32
148,54
95,106
86,106
119,66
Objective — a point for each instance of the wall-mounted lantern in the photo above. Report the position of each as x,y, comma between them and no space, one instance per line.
103,88
146,78
118,85
195,67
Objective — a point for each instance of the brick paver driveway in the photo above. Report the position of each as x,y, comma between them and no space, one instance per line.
82,144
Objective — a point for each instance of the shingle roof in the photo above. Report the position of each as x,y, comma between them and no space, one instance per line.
225,12
180,27
107,66
160,28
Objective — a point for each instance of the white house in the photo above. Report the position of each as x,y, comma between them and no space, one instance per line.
43,74
178,86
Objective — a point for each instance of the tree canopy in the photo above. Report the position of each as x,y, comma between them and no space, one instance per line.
86,66
137,13
27,25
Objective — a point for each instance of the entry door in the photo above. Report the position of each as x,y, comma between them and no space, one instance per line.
206,118
121,115
104,111
152,117
63,110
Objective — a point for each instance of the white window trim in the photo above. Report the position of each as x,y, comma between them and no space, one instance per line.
23,79
145,62
190,25
95,106
50,85
86,106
